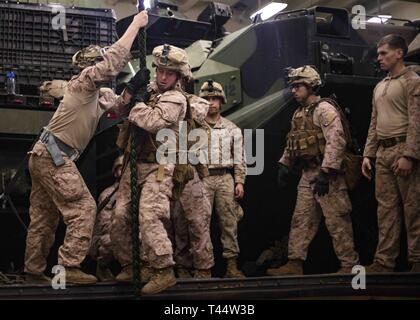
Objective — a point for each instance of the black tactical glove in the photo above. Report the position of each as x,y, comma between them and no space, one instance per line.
321,184
140,79
282,174
141,95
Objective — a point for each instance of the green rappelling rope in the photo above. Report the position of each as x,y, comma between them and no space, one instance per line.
135,192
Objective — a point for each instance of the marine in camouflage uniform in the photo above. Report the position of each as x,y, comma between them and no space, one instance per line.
317,139
394,135
57,186
100,249
163,106
227,170
191,215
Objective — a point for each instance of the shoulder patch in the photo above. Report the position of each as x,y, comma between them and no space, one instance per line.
326,113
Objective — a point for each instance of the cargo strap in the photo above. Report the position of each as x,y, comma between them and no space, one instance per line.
160,173
55,146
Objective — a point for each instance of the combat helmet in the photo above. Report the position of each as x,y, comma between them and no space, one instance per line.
172,58
306,74
88,56
211,88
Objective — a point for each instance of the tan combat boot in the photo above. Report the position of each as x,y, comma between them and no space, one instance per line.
202,274
415,267
77,276
126,274
37,279
232,269
293,267
103,273
183,273
146,273
162,279
376,267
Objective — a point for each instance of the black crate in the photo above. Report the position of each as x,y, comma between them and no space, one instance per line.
36,52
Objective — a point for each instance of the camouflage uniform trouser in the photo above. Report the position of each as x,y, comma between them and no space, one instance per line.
154,207
191,216
100,249
57,190
220,191
397,197
336,208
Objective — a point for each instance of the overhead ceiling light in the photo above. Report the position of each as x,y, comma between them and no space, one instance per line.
269,10
382,18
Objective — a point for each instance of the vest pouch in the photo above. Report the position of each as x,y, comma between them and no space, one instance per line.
183,173
308,146
352,165
202,170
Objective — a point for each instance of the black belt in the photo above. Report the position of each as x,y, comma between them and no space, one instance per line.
388,143
218,171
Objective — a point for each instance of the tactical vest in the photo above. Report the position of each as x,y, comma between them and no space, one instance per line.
305,140
147,146
146,143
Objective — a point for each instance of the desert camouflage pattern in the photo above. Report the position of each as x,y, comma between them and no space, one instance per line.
53,88
173,58
55,191
100,249
88,56
226,148
397,196
191,217
398,201
199,108
61,189
306,74
328,119
212,89
219,191
83,104
335,206
162,111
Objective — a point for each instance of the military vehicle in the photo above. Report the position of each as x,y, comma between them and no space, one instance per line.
250,63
